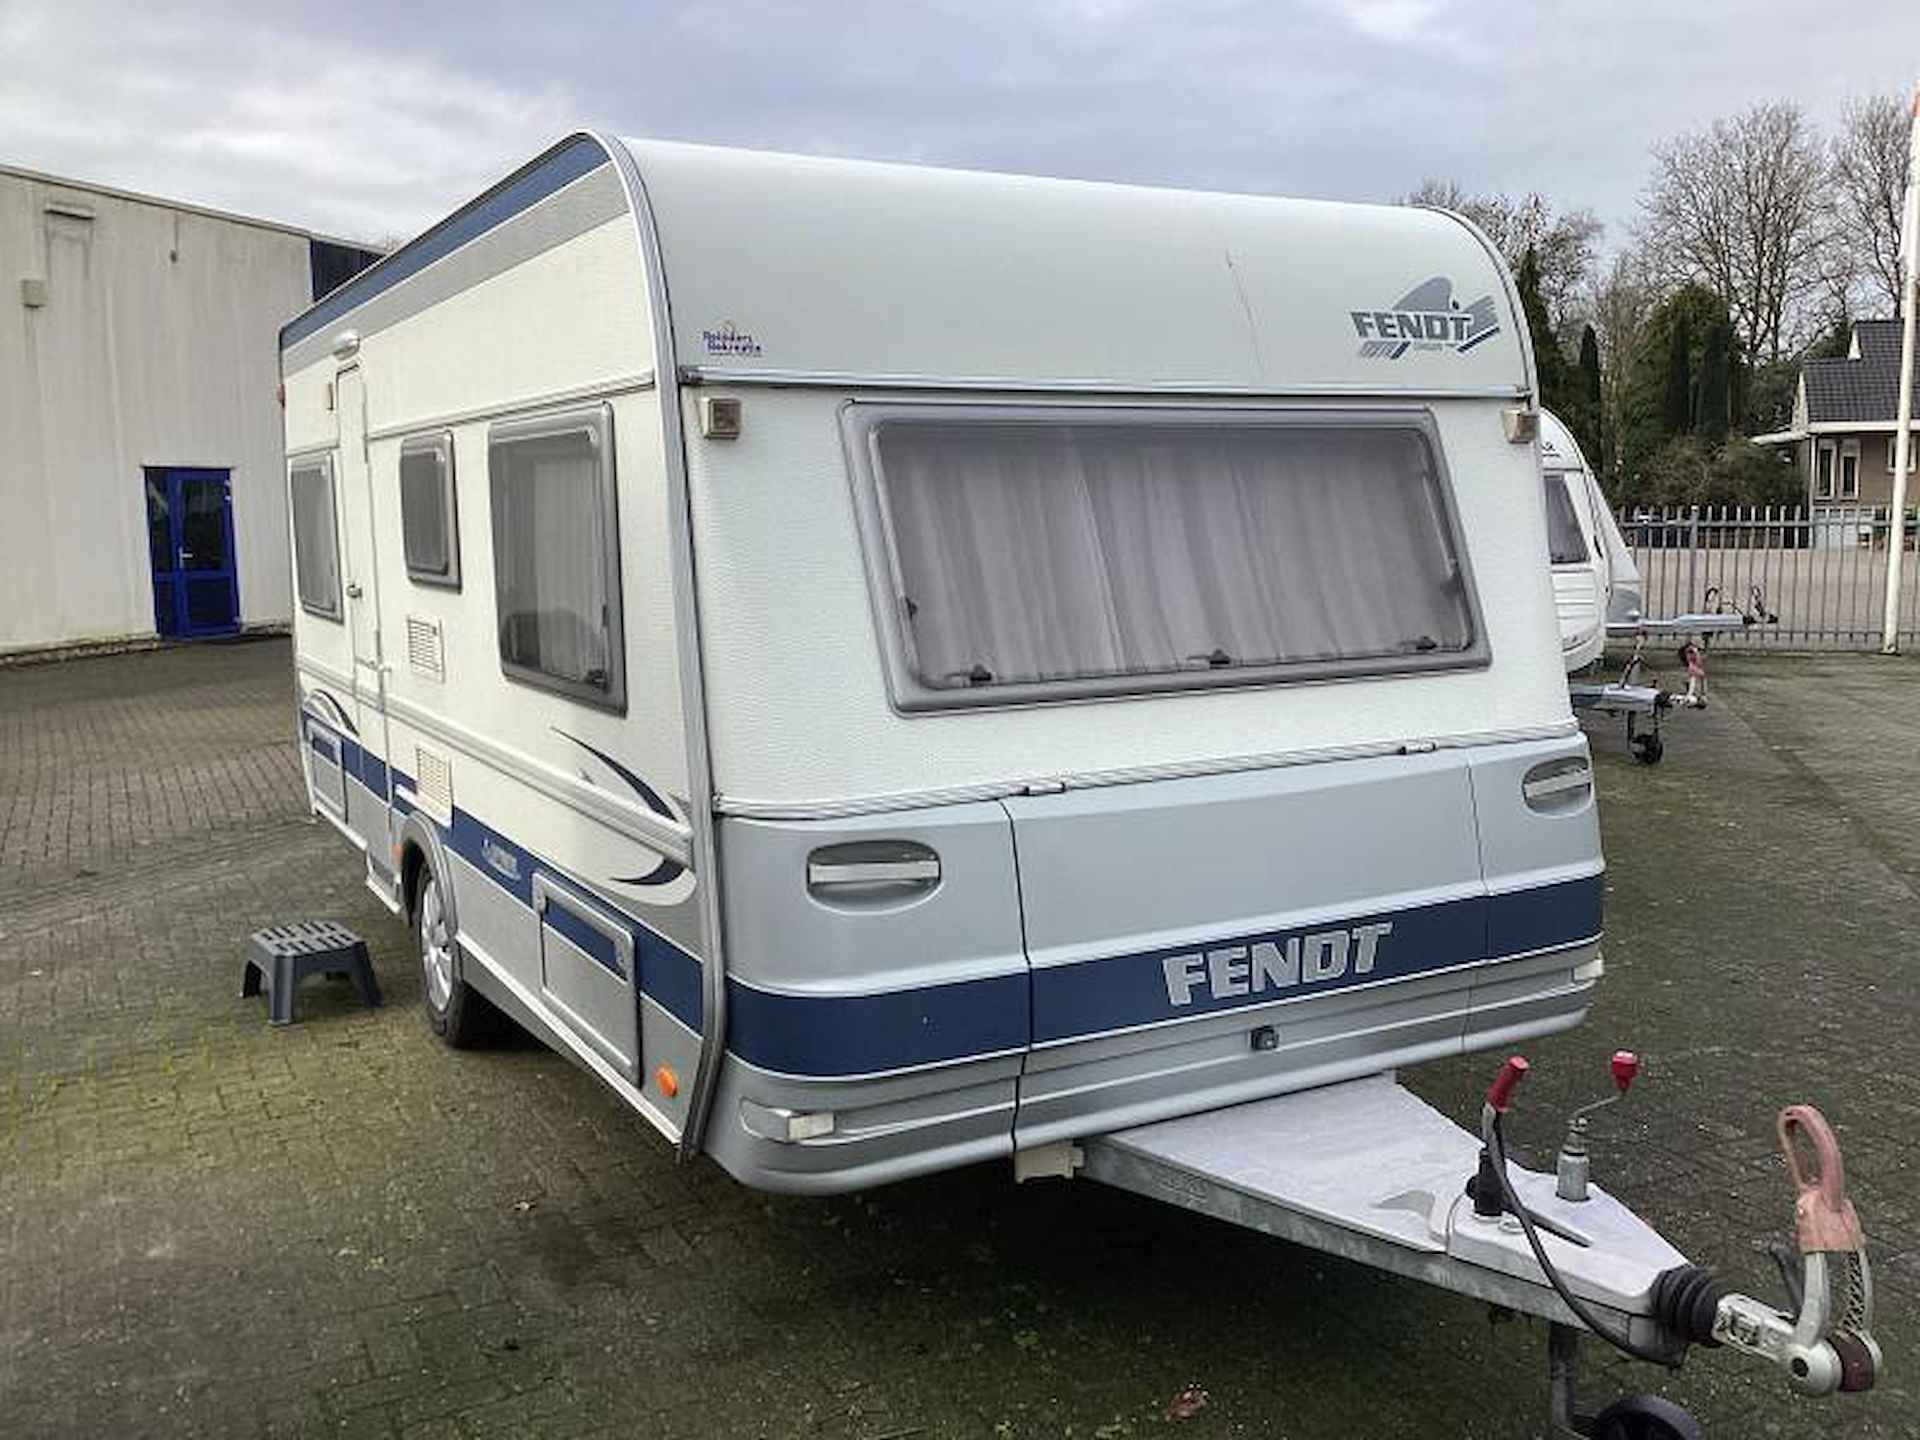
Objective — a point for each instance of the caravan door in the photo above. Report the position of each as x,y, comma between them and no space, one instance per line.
368,811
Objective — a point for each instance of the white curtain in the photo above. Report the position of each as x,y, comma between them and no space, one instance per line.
1029,551
549,546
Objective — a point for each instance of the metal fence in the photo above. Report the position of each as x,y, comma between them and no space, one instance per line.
1813,579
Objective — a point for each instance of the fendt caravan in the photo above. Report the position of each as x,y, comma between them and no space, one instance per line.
1595,580
892,667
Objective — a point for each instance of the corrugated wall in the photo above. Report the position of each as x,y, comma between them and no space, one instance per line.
156,346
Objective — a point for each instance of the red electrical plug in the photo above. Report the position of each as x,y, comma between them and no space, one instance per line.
1625,1066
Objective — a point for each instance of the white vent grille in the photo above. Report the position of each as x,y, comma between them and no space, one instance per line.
434,779
423,648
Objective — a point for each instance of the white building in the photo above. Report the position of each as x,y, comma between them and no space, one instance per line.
140,448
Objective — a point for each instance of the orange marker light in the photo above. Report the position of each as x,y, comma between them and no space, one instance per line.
668,1082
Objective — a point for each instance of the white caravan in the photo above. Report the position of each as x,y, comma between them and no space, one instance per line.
891,667
1595,580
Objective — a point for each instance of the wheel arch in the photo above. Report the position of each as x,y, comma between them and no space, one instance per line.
421,848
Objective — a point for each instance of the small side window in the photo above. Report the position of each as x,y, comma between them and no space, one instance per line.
429,523
556,561
1566,541
316,543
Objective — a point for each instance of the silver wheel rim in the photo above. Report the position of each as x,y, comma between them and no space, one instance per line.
436,946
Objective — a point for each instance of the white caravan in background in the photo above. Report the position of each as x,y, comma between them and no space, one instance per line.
892,667
1595,580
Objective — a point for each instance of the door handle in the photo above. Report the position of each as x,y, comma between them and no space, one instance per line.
863,873
353,589
873,872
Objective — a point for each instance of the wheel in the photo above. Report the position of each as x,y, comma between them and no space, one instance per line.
458,1013
1645,1417
1648,748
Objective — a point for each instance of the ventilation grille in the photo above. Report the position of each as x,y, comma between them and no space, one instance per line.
423,648
433,778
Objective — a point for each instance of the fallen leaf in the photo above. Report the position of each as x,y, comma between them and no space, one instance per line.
1187,1404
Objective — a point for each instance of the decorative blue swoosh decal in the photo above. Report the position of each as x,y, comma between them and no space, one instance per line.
667,870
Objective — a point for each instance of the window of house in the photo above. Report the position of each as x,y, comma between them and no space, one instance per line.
555,554
429,523
1566,541
1024,553
1850,470
1823,471
316,543
1893,452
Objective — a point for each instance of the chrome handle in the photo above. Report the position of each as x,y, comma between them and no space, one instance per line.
872,872
353,589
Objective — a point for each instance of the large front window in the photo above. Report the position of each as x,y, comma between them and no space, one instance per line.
1034,553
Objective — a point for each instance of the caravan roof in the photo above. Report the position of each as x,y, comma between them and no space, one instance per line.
788,266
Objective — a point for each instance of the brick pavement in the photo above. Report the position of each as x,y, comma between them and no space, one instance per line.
209,1227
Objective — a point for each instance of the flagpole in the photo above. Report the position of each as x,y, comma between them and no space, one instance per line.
1903,436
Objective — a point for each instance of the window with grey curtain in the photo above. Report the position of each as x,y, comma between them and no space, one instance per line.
1566,541
1032,551
427,525
552,517
316,545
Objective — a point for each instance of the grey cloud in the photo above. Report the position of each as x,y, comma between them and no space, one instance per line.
373,120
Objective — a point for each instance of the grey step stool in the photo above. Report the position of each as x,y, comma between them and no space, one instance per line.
281,956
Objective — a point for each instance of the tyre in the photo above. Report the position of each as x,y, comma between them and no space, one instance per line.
1645,1417
458,1013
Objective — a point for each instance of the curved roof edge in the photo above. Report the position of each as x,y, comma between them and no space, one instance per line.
1558,449
561,164
796,268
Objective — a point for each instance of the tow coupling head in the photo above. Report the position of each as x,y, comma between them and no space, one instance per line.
1824,1347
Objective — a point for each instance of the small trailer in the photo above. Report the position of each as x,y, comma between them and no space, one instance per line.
1597,597
891,668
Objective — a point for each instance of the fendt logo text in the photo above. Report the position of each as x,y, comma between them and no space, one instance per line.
1426,318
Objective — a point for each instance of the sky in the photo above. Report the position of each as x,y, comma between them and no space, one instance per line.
369,121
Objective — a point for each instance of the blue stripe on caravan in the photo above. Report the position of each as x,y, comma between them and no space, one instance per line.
1094,996
668,974
324,744
861,1034
864,1034
578,157
562,921
672,978
1544,916
1116,993
493,855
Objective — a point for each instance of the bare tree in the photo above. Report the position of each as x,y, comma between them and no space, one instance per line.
1869,158
1618,304
1740,208
1564,244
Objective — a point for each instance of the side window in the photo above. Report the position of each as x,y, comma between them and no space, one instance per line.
429,524
556,562
316,544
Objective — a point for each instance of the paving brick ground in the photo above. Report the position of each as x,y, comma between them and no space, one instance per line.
209,1227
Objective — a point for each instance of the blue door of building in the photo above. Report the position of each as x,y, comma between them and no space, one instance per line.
190,542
